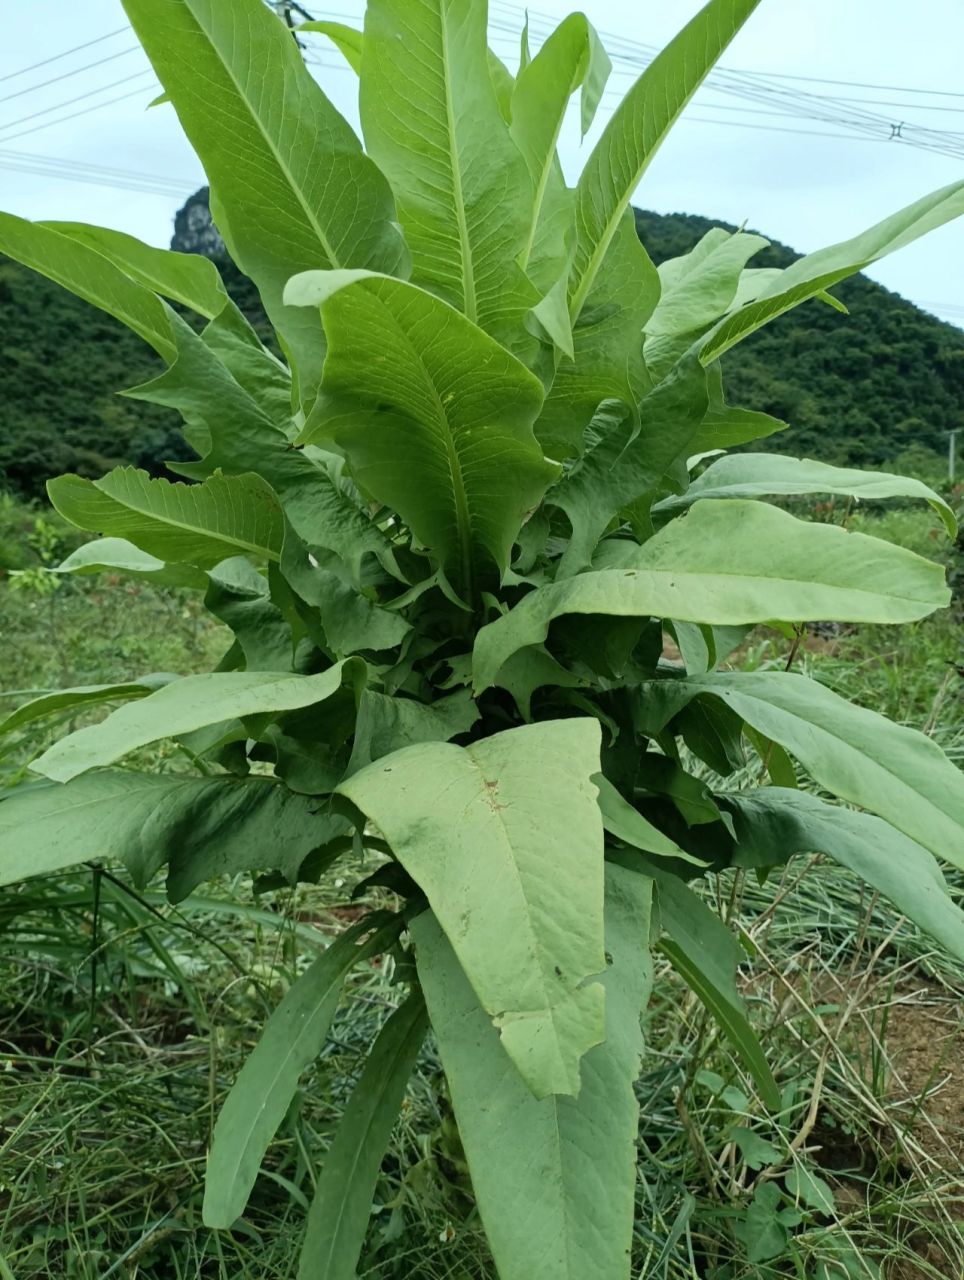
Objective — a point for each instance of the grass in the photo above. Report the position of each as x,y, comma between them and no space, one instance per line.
123,1022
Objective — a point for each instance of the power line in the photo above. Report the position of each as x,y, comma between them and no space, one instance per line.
100,175
98,106
11,75
116,183
10,124
767,90
856,84
67,74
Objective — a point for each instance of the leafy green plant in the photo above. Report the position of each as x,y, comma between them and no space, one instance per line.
448,534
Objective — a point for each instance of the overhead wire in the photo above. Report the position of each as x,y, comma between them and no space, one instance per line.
767,91
69,102
98,106
22,71
88,66
102,175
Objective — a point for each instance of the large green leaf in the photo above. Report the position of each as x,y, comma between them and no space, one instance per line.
243,436
190,703
854,753
506,841
750,475
819,271
571,56
725,564
90,695
291,187
434,416
199,827
613,287
292,1039
200,523
342,1205
554,1177
607,350
773,823
188,278
87,273
432,121
635,131
629,456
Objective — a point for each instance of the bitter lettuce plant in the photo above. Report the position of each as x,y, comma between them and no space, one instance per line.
449,531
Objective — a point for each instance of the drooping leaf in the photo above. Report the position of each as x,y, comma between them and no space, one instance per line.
188,278
505,839
91,695
292,1039
352,622
190,703
856,754
87,273
117,555
339,1214
819,271
239,596
347,40
750,475
433,415
554,1177
199,827
432,122
627,824
729,563
201,524
291,187
774,823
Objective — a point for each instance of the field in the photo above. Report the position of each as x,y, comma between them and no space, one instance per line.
123,1021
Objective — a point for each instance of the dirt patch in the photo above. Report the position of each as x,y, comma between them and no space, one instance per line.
924,1043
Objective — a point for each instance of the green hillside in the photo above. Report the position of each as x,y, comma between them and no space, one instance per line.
860,389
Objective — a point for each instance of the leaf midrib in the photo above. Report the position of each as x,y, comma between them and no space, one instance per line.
470,302
129,503
334,261
463,514
688,574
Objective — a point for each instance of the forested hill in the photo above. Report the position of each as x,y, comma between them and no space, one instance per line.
860,388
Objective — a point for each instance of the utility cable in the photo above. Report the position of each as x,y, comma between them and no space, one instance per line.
11,75
67,74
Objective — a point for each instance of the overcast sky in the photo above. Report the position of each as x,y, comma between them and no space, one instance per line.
801,187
